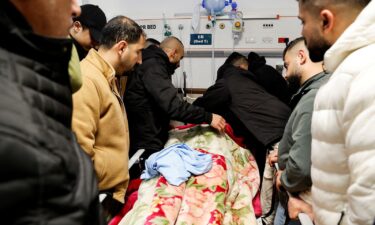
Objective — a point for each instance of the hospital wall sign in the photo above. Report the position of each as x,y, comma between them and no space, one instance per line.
201,39
148,26
151,27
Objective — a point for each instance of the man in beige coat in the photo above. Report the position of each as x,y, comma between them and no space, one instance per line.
99,117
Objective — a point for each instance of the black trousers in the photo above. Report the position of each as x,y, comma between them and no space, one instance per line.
136,170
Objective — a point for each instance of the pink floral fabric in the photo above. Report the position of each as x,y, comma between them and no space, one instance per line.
224,195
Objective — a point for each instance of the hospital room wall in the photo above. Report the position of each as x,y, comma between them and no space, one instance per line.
281,14
142,9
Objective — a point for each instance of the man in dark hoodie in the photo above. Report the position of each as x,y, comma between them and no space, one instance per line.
253,113
151,100
268,77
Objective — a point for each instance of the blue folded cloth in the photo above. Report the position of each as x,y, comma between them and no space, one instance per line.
176,163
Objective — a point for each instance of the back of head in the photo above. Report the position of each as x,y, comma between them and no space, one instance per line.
322,3
316,5
298,42
172,43
152,41
237,60
120,28
93,18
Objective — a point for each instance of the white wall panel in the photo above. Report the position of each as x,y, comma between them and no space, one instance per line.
280,15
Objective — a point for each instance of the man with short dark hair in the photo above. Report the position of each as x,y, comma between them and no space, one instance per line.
45,178
294,153
152,41
99,117
87,29
343,122
152,101
254,114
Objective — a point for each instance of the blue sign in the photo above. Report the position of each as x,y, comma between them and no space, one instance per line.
201,39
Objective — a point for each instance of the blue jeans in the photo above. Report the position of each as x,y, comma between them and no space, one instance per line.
280,217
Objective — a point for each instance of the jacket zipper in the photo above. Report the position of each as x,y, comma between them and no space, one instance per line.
341,218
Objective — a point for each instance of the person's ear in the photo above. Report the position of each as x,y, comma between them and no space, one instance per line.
174,53
244,66
327,21
121,46
302,57
77,26
171,54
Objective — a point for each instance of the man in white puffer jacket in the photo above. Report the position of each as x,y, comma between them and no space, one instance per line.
343,124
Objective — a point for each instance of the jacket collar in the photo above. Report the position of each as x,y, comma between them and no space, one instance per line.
156,52
312,83
358,35
105,68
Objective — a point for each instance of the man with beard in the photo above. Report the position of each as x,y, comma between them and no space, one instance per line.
295,146
99,117
152,101
343,123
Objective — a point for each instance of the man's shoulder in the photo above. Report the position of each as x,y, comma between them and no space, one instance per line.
358,61
92,73
306,103
152,65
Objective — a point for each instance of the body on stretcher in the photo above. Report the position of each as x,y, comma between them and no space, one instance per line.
230,177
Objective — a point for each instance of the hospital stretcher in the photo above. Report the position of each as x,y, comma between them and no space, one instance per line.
225,195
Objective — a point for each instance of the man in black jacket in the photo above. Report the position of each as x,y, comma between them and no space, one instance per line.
254,114
151,99
269,78
45,178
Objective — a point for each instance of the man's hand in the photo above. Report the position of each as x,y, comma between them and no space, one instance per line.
218,122
272,158
297,206
278,180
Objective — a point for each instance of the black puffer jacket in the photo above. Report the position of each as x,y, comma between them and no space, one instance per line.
151,102
45,178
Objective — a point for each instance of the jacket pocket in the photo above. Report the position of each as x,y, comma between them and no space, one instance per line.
100,163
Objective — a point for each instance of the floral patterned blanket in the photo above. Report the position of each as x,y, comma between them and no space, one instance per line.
222,196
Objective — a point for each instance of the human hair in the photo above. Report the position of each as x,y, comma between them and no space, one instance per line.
236,59
171,42
293,44
152,41
318,4
120,28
